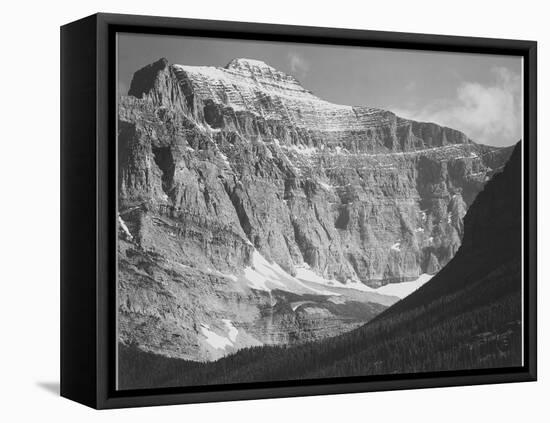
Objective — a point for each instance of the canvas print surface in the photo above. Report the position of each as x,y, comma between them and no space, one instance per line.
291,211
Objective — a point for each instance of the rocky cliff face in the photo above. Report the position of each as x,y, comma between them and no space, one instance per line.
252,212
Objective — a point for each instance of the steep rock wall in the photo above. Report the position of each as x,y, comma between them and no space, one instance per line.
219,164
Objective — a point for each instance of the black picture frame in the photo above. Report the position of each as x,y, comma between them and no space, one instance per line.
88,207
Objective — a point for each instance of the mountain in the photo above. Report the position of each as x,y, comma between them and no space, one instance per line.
468,316
252,212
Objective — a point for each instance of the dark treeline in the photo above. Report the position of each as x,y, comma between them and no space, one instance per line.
468,316
455,332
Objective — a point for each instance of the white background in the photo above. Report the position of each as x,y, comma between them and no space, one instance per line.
29,167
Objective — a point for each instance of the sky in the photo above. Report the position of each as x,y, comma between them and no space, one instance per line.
480,95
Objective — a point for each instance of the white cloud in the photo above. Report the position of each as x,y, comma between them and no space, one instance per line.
487,113
298,65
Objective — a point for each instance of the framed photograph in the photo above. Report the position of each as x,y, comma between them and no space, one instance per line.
254,211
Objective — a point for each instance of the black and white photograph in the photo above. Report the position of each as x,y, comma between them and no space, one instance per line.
293,212
275,212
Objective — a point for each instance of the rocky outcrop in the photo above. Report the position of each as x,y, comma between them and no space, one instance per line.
224,171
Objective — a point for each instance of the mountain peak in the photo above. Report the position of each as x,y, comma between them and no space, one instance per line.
244,63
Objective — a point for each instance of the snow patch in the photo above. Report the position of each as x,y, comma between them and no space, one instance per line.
215,340
255,279
234,278
213,129
224,158
358,285
232,330
262,271
396,246
307,151
305,274
124,227
265,276
404,289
